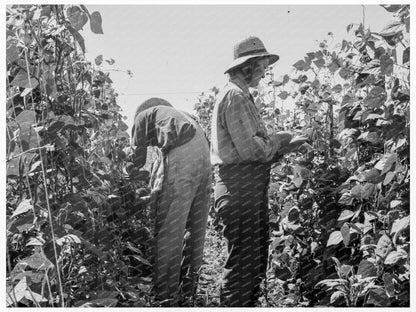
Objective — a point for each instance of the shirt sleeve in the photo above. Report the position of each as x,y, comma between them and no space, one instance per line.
250,142
139,142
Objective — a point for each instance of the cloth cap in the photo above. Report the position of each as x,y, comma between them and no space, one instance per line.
152,102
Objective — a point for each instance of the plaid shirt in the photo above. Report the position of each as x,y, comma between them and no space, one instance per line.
238,133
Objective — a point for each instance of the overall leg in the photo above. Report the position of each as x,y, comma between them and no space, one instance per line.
170,225
194,243
197,219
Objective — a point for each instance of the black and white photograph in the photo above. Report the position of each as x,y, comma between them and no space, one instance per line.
207,155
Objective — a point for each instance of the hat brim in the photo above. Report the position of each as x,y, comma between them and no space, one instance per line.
273,58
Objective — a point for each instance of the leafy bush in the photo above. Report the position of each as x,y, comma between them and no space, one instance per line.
77,229
346,196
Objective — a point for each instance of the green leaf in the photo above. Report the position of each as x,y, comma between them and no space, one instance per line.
344,73
102,302
110,62
35,241
368,136
332,282
76,17
311,55
378,298
316,83
337,262
293,214
373,116
99,60
346,236
366,269
395,256
406,55
389,177
50,85
334,238
21,224
303,78
346,199
395,203
18,292
12,52
333,67
122,134
337,88
22,80
368,190
286,79
372,67
345,270
386,65
96,23
337,297
13,166
142,260
399,143
400,225
84,8
37,261
385,163
319,63
389,280
122,126
46,10
68,239
391,7
283,95
299,65
393,28
345,45
375,98
346,215
24,206
384,246
356,191
372,175
78,38
34,297
319,54
348,98
357,227
34,277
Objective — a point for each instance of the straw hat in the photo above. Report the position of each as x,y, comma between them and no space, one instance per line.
250,48
152,102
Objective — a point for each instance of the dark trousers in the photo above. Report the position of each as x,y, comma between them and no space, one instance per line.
242,205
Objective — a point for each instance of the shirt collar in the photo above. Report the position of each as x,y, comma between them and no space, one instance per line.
241,84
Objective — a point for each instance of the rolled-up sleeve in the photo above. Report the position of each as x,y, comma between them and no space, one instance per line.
251,143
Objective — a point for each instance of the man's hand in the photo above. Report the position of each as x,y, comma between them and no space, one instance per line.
281,138
293,145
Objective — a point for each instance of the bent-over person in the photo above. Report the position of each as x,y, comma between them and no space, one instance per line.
183,203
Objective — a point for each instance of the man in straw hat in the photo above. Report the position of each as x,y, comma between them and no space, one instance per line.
242,153
184,194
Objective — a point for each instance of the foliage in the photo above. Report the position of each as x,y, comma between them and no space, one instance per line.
77,231
346,196
203,109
